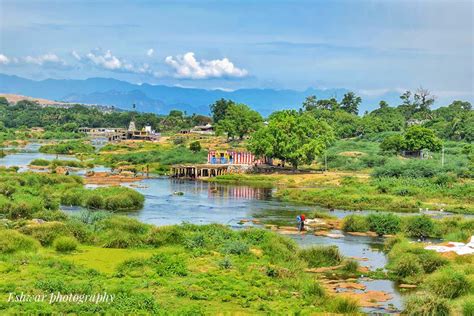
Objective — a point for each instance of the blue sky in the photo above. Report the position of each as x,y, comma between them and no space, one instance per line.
369,46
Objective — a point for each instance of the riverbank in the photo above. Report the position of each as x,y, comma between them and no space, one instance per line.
360,191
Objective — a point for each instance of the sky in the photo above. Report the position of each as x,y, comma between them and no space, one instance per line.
370,47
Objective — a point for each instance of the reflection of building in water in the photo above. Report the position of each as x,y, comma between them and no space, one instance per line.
233,157
240,192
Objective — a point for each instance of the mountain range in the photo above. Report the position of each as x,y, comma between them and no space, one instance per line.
161,99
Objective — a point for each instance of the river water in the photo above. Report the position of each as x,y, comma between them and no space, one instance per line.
204,203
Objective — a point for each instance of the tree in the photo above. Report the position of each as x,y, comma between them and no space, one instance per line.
350,103
3,101
392,144
417,138
327,104
239,121
219,109
297,138
383,104
195,146
310,103
423,99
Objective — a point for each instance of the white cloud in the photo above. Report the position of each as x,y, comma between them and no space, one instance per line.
45,59
4,59
106,60
75,55
187,67
150,52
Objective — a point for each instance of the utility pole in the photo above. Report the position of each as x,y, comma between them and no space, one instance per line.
325,162
442,156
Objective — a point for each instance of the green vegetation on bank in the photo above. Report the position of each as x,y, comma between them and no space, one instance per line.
52,164
67,148
33,195
444,286
176,269
455,228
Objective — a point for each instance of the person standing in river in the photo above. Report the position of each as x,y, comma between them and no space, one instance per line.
300,219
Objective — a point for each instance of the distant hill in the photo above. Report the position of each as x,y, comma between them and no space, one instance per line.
161,99
14,98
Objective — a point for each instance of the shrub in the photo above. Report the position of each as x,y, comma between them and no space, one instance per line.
407,265
65,244
12,241
418,226
313,289
430,260
46,233
392,144
195,146
345,305
123,224
236,248
350,266
40,162
384,223
425,304
225,263
320,256
448,283
167,265
355,223
73,197
95,202
166,235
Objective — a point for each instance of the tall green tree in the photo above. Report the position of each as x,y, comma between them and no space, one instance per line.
219,109
240,120
350,103
297,138
417,138
310,103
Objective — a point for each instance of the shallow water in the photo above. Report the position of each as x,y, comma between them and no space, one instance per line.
204,203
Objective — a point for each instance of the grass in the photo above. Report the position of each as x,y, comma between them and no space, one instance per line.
209,268
445,285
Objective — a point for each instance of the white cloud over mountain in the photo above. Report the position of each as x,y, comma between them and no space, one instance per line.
188,67
4,60
48,59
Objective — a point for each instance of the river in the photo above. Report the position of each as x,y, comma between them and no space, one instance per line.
204,203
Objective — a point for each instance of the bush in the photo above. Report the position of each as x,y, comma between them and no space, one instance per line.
425,304
355,223
195,146
384,223
65,244
320,256
392,144
350,266
418,226
345,305
407,266
448,283
225,263
46,233
313,290
12,241
168,265
166,235
236,248
40,162
95,202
